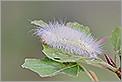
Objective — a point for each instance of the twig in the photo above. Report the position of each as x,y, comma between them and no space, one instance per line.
107,66
118,72
120,60
94,75
89,75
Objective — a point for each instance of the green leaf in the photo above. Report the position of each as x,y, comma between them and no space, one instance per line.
75,25
39,23
116,39
87,30
47,67
78,26
91,61
59,55
72,71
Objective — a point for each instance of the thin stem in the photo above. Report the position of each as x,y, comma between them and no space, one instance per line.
118,72
94,75
115,58
107,66
120,60
89,75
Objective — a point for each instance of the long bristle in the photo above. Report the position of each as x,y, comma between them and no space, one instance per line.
67,38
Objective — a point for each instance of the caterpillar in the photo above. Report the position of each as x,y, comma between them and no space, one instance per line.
61,36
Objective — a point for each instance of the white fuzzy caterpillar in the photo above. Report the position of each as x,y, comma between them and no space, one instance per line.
64,37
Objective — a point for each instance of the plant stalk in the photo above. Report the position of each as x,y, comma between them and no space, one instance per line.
89,75
94,75
109,67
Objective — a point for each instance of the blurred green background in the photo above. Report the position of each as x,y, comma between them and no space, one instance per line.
17,44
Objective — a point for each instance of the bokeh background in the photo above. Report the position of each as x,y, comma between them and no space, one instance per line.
101,16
